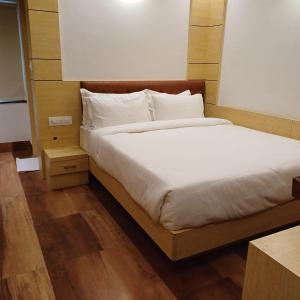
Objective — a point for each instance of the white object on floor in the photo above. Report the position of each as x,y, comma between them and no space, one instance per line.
28,164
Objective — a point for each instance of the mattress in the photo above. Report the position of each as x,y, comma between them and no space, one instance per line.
192,172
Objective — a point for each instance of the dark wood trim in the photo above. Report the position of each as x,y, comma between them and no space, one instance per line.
7,101
8,3
296,187
171,86
15,146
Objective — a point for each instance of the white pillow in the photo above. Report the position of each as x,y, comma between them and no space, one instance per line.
86,96
151,92
170,107
111,111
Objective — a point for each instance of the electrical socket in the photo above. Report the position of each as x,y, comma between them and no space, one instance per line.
60,121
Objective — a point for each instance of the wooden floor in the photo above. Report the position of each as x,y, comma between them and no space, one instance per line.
78,243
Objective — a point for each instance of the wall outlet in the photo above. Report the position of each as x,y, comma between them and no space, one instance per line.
60,121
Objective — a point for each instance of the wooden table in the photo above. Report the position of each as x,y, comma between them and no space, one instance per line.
273,267
66,167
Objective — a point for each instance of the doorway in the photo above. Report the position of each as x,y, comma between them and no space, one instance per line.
15,125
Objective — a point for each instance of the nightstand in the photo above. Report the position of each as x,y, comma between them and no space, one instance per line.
66,167
273,267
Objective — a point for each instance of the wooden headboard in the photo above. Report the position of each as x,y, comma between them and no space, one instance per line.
119,87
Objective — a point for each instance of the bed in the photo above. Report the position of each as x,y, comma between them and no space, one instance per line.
243,189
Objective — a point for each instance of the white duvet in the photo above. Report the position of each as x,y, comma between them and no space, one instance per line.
191,172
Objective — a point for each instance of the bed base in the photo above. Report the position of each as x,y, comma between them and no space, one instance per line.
181,244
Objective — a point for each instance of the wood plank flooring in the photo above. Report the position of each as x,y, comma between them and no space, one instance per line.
24,273
78,243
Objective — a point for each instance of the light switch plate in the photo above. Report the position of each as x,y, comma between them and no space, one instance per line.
60,121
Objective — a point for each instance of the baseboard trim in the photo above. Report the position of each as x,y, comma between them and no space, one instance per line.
15,146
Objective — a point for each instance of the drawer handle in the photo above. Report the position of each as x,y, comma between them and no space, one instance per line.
70,167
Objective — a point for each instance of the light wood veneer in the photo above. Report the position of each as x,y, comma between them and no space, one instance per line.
45,5
295,130
46,69
205,44
275,125
50,95
273,267
207,12
66,167
211,91
44,34
203,71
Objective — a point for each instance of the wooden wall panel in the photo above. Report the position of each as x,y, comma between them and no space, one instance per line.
203,71
45,5
253,120
210,72
51,95
296,130
46,69
205,44
207,12
212,89
61,92
58,98
44,35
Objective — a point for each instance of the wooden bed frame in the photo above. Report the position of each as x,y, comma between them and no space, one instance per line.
185,243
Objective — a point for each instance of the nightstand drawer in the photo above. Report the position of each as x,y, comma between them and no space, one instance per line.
68,180
69,166
66,167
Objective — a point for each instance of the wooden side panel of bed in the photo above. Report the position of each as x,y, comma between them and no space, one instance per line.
162,237
185,243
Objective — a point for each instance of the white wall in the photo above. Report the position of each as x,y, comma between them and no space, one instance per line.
124,39
261,58
14,118
14,123
11,81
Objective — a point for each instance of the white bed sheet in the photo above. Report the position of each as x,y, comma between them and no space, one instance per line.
192,172
85,138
